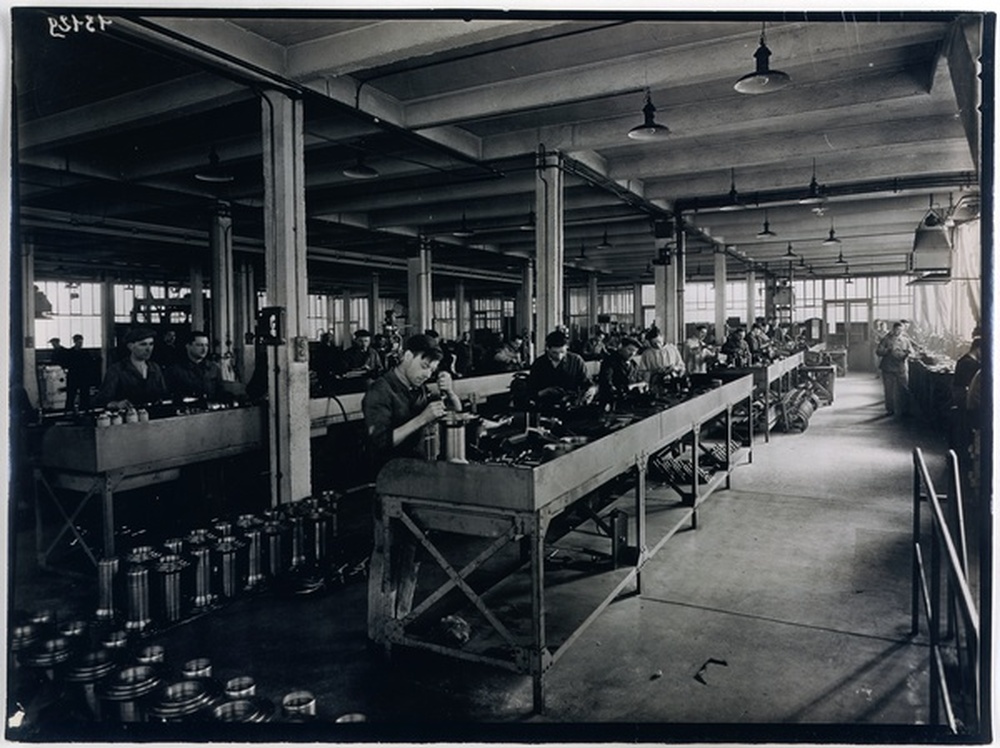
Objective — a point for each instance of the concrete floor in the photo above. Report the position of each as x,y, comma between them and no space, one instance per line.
785,615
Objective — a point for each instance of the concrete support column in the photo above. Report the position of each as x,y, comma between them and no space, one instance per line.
660,274
108,347
548,246
244,315
751,295
720,294
345,320
525,300
461,320
197,297
331,318
29,366
670,316
681,282
418,284
285,269
374,314
593,302
220,242
637,305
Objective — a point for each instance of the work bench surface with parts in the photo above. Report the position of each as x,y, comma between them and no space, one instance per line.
616,485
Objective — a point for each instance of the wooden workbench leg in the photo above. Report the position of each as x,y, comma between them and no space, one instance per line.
695,487
108,513
537,617
729,444
378,576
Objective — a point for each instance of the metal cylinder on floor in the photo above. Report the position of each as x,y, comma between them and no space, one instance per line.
169,590
298,706
126,689
251,709
152,654
107,570
298,540
184,699
254,538
201,561
48,656
240,687
229,563
87,671
137,615
276,549
197,667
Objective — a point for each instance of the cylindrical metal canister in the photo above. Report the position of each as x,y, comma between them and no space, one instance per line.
152,654
127,687
173,546
137,615
453,430
48,655
88,670
244,710
183,699
201,560
240,687
254,538
197,667
276,549
317,531
298,706
169,593
298,540
107,569
228,562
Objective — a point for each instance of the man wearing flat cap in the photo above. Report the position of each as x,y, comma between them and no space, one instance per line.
361,357
135,380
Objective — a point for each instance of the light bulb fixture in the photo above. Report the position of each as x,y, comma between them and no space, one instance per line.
648,272
832,238
789,252
360,170
583,251
528,225
814,196
213,173
733,201
840,258
650,129
463,231
605,244
762,80
802,261
765,232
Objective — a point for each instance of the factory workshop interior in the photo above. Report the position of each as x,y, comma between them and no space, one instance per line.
500,375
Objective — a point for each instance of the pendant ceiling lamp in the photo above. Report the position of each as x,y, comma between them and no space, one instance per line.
840,258
213,172
814,196
789,252
650,129
832,239
605,244
762,80
765,232
463,231
733,201
583,251
361,170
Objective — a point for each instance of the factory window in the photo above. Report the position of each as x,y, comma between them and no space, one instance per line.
490,313
164,305
444,318
699,302
808,299
317,319
73,308
578,312
619,303
892,298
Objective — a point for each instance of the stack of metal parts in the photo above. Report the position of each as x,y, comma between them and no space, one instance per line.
79,671
677,470
287,550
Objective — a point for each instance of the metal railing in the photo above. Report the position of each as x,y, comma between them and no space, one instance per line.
942,590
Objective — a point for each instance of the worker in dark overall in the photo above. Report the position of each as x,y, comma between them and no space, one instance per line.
398,408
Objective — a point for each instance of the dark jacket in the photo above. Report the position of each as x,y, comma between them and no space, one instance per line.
570,375
388,404
189,379
123,381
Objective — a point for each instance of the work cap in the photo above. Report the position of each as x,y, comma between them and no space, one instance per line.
135,334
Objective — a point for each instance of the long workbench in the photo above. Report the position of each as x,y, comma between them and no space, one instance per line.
771,383
510,505
99,461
